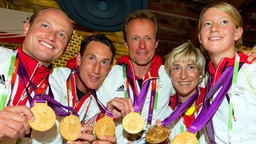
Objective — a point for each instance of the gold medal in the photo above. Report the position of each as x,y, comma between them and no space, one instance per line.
185,138
70,127
133,123
44,117
104,126
157,134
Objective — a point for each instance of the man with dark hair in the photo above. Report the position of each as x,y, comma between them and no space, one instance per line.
76,87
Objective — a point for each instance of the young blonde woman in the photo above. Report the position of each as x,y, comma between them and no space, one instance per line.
232,78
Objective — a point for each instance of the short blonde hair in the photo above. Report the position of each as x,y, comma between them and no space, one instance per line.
186,52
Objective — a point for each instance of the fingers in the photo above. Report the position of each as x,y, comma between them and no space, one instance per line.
23,110
78,142
106,139
86,129
85,136
158,122
14,121
120,106
169,131
8,130
252,57
130,103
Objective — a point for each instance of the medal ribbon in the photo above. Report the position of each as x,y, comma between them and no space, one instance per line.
152,101
153,91
138,99
40,96
209,125
181,109
101,106
79,104
21,71
205,115
17,67
58,108
71,87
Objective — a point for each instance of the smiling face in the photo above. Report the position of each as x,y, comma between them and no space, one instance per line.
185,78
46,38
185,66
94,65
141,41
218,34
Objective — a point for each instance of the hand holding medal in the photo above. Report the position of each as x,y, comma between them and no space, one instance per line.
160,131
44,116
133,123
70,127
105,127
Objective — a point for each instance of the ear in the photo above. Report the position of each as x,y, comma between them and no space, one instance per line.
238,34
78,59
199,38
156,45
26,27
125,44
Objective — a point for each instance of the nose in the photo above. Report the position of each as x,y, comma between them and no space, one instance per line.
215,27
183,74
52,36
142,43
96,68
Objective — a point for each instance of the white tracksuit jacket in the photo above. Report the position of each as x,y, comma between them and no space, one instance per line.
57,82
5,89
243,97
115,85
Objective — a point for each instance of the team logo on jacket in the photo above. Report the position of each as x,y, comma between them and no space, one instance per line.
121,88
2,79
